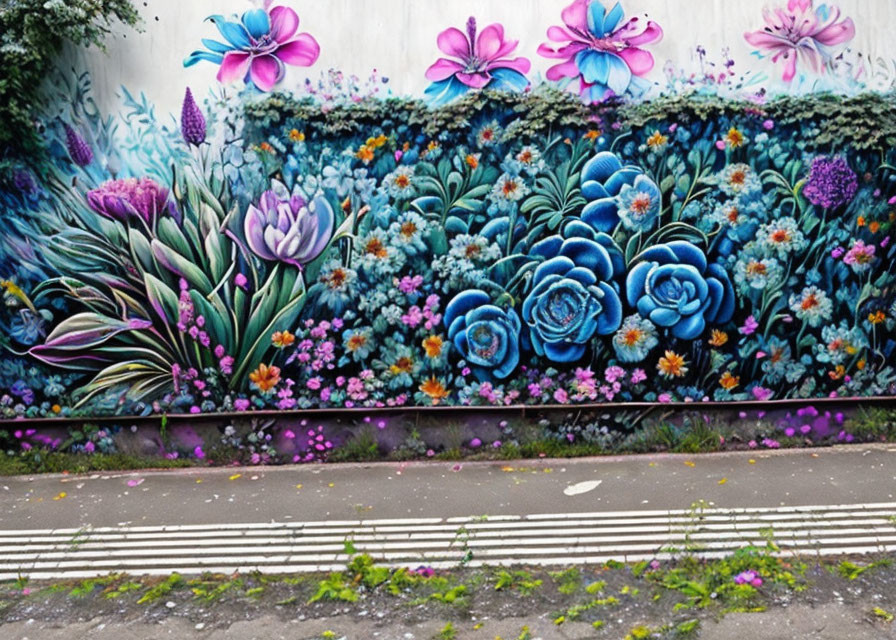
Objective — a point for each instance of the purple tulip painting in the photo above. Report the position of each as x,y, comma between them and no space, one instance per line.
600,50
802,34
475,62
131,198
258,47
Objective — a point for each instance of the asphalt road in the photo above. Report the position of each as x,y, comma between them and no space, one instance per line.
838,475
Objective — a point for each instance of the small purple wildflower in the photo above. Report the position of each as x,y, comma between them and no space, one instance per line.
831,182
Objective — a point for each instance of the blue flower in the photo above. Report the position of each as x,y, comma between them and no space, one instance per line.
609,186
674,287
573,295
486,335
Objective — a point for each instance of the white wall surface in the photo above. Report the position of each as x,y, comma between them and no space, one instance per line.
398,38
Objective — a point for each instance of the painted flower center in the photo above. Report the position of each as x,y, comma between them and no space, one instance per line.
780,236
402,365
376,248
563,308
485,342
641,204
756,268
509,188
408,229
738,177
733,215
632,337
402,181
809,302
337,278
356,341
472,251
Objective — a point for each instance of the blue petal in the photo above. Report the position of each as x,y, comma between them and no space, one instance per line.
587,253
464,302
511,359
619,75
555,266
593,190
624,176
217,47
485,313
582,275
664,317
688,254
727,303
257,22
596,14
636,281
456,327
614,252
233,32
547,248
659,253
689,328
601,215
578,229
444,91
601,167
611,21
196,56
507,80
563,351
594,65
611,318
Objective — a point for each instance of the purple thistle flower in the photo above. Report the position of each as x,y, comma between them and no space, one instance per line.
78,149
192,122
138,197
831,182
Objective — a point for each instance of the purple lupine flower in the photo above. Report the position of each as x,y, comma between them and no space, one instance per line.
290,229
192,122
78,149
258,46
478,62
138,197
831,182
599,49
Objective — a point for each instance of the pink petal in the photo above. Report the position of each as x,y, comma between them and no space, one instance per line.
522,65
638,60
284,22
559,34
789,68
454,43
636,33
490,44
570,50
474,80
568,69
234,67
301,52
837,33
443,69
576,15
265,71
765,40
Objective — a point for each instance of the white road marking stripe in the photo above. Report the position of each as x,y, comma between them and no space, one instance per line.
477,521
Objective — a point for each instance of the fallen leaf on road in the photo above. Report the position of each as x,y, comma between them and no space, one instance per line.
752,461
723,480
331,485
507,469
581,487
457,467
690,464
198,480
135,482
236,475
298,486
60,495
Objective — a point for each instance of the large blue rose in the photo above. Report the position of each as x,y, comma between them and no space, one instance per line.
487,336
574,295
673,285
611,189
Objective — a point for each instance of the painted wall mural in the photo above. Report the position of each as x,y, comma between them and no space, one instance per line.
610,230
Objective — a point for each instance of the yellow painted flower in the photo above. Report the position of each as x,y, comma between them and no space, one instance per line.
404,364
672,365
728,381
435,389
877,317
657,140
735,138
267,148
265,378
433,145
433,346
56,408
472,160
297,136
282,339
718,338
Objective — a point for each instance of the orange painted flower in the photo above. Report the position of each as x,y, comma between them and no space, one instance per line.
434,389
672,365
735,138
718,338
265,378
657,140
282,339
472,160
297,136
433,346
728,381
592,134
877,317
365,154
874,226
